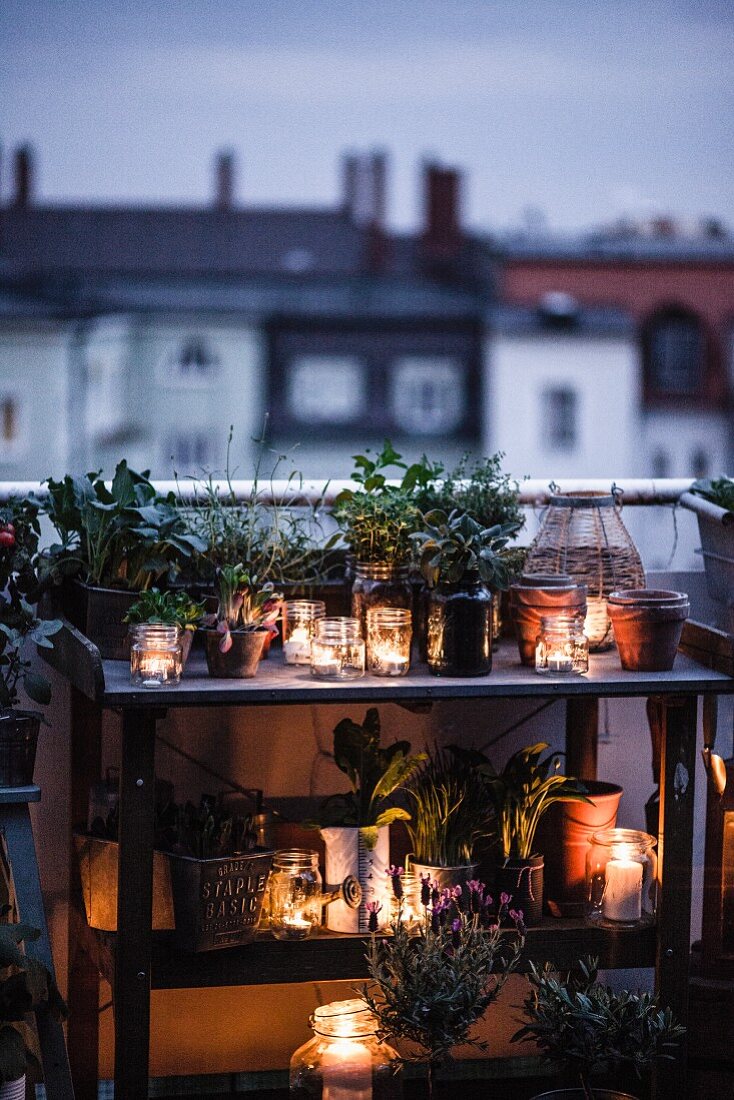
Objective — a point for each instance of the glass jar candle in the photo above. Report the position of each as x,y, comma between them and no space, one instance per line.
299,620
156,655
561,647
337,649
345,1060
379,584
621,878
294,894
389,633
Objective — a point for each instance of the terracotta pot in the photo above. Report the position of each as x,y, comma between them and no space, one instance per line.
537,595
563,837
18,741
522,879
444,877
647,624
241,660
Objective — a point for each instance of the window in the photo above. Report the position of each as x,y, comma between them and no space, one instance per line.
190,452
8,421
195,361
326,389
427,395
559,418
675,353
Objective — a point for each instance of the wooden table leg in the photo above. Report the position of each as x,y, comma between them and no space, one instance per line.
675,855
134,905
582,736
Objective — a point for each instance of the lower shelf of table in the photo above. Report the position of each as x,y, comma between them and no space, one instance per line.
331,956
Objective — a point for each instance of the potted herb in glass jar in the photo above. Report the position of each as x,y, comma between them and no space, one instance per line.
462,563
591,1029
235,635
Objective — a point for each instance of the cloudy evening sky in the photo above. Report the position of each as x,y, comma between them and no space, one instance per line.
581,108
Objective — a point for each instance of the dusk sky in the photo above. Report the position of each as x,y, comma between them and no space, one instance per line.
585,110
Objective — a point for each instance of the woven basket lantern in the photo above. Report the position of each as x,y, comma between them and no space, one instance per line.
582,534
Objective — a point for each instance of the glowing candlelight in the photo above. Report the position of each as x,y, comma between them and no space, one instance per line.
623,892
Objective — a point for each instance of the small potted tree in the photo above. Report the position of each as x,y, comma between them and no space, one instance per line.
520,794
462,564
590,1029
356,826
451,813
431,989
235,635
167,609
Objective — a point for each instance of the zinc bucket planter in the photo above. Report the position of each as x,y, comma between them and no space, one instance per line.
347,854
241,660
98,871
444,877
647,624
217,902
18,742
716,529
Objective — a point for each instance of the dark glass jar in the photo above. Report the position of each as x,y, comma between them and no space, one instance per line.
379,584
460,628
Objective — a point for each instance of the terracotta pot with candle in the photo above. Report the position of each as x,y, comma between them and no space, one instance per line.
538,595
647,624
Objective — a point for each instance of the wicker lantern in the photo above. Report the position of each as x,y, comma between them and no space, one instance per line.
582,535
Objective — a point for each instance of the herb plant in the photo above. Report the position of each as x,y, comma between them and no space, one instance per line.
451,809
454,546
479,488
430,989
374,772
172,608
244,605
522,792
719,491
593,1029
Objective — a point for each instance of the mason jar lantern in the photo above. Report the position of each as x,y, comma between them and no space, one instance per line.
299,621
156,655
621,878
389,633
337,649
561,647
295,894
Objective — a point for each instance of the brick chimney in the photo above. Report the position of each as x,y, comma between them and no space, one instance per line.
23,181
225,181
364,201
442,236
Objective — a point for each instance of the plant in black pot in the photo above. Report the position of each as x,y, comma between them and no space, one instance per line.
25,985
20,628
591,1029
355,826
462,564
520,794
235,636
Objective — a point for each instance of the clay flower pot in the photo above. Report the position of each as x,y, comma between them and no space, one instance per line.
647,624
241,660
539,594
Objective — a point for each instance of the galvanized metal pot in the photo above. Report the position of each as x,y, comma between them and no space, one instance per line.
217,902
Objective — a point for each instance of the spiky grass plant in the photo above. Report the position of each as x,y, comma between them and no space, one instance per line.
452,809
431,989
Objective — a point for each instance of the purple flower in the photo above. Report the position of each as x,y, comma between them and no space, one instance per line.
435,893
396,877
456,933
474,886
505,899
425,890
517,915
373,908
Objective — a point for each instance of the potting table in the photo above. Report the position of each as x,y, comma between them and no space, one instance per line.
136,959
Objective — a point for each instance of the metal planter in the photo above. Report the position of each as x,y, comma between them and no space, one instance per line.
218,902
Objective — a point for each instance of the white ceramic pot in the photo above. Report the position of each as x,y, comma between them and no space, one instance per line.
13,1090
346,854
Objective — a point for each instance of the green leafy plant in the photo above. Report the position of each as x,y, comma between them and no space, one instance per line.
374,772
378,518
171,608
279,535
244,604
454,546
451,808
719,491
522,792
20,626
25,985
122,535
479,488
430,989
592,1029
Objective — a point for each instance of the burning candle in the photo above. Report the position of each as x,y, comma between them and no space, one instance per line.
347,1071
389,633
623,891
299,622
558,661
156,655
297,650
337,650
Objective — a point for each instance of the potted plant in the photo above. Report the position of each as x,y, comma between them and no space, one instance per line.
591,1029
520,794
451,813
19,628
461,562
713,503
377,520
430,989
167,609
116,539
25,985
235,635
356,826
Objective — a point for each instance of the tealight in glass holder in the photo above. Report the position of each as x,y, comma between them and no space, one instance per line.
156,655
337,649
299,620
295,894
389,633
561,648
621,878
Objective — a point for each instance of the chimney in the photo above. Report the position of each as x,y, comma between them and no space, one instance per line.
442,236
350,173
224,193
377,243
23,176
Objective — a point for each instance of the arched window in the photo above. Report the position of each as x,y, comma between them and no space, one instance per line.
675,352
